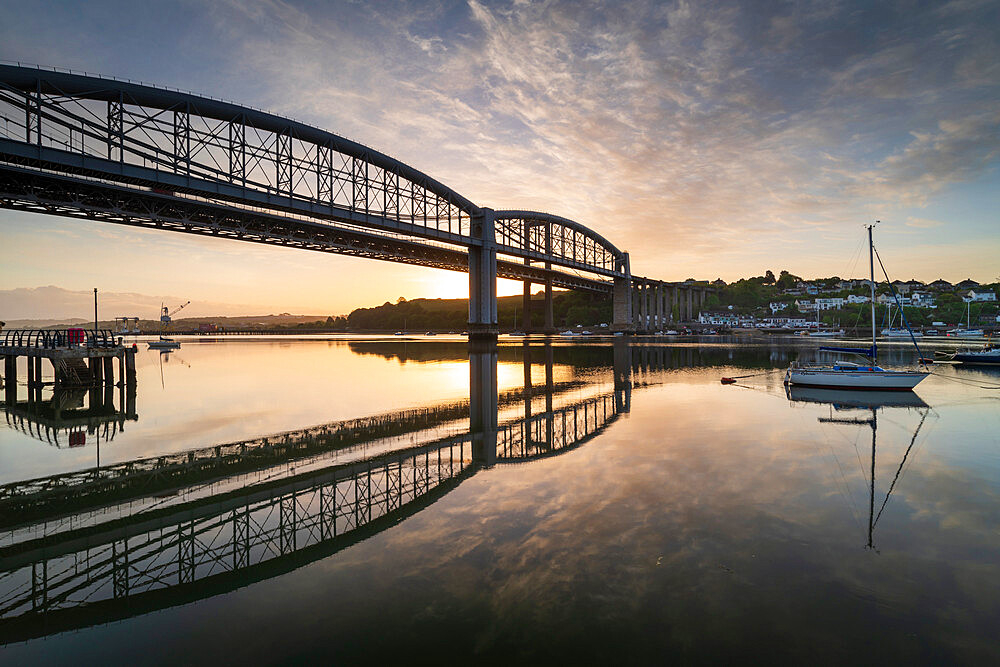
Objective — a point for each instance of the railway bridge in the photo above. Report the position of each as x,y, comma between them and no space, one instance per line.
102,149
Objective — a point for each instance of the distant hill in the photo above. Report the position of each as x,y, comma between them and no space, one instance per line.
42,324
62,305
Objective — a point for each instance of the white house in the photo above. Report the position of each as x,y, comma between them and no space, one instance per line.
784,323
973,295
856,298
804,305
829,304
777,306
890,299
719,319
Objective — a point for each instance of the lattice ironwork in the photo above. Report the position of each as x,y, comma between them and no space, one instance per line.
167,140
221,164
548,238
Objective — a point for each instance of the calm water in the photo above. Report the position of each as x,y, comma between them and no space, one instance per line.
626,508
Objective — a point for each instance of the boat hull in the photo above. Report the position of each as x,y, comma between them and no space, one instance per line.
977,358
859,380
164,345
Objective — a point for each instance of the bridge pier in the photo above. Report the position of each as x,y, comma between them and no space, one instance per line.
659,306
643,325
621,305
483,279
526,306
549,324
674,304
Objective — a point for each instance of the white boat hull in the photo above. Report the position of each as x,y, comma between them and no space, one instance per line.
164,344
855,379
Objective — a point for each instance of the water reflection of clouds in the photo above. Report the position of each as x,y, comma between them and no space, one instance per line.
728,520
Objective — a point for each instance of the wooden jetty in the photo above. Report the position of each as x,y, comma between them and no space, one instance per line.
80,358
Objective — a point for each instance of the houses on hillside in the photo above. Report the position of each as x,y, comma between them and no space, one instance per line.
974,296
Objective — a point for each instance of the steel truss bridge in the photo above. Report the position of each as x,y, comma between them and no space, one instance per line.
102,149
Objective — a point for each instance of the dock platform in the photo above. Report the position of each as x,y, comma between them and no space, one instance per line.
80,359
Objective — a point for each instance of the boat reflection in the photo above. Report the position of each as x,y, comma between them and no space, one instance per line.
112,542
841,400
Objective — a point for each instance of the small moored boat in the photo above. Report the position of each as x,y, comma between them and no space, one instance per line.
850,375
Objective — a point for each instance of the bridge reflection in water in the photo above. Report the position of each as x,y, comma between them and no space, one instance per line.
216,531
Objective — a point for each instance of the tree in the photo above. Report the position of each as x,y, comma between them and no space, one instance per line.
787,280
769,278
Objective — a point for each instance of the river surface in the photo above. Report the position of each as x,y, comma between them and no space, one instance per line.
270,500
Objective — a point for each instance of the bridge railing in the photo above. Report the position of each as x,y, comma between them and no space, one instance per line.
51,339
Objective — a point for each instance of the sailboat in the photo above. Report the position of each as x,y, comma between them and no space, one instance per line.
164,343
967,332
899,332
851,375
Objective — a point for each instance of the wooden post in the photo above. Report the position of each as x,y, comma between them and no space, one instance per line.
130,366
10,379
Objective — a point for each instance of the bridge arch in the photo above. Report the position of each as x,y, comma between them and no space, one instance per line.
545,237
180,142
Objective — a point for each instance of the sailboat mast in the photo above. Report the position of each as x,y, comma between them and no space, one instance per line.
871,267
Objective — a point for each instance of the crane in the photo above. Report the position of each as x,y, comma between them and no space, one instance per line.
167,313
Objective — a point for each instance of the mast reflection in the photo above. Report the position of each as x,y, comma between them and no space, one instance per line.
871,402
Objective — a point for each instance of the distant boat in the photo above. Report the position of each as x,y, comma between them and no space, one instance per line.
967,332
826,334
850,375
430,333
900,333
164,344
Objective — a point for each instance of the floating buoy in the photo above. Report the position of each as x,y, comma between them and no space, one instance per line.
728,381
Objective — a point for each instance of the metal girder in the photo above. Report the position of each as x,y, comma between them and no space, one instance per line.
98,128
42,192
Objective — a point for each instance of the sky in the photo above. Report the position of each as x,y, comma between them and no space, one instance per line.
709,139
